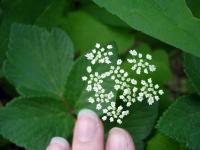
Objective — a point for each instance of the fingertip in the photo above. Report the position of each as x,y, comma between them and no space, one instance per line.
118,139
88,131
58,143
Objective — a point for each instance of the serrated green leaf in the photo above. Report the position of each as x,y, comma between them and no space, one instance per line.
169,21
22,11
139,122
76,88
85,31
161,142
191,65
31,122
181,121
38,62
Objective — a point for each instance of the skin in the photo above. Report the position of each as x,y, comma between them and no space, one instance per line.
89,135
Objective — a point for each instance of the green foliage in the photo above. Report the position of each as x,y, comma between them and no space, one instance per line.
21,11
139,123
40,65
181,121
161,142
192,70
75,87
77,24
105,16
31,123
38,62
168,21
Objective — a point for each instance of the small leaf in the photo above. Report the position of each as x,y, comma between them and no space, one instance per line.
31,122
181,121
38,62
191,64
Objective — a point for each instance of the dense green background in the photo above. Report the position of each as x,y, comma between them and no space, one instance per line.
42,43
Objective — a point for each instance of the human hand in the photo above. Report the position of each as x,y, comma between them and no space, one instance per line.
89,135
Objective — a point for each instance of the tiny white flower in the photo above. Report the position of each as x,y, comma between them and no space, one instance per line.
133,52
91,100
161,92
89,56
119,121
97,45
133,81
148,56
140,55
98,107
110,53
109,46
89,69
94,51
84,78
119,62
104,118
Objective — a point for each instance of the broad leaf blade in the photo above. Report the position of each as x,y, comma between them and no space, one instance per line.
31,122
38,62
169,21
181,121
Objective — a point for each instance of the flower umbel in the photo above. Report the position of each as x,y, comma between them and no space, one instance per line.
129,89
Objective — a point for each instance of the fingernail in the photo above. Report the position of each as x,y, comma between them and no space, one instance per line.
58,143
119,140
87,125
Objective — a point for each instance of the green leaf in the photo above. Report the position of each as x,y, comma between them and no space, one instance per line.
85,31
105,16
76,88
38,62
161,142
139,122
169,21
22,11
191,65
31,122
181,121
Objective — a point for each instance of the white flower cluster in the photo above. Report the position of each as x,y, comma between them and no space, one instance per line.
141,64
129,90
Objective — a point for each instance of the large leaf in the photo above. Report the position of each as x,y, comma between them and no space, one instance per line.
105,16
139,123
182,122
43,12
191,65
76,88
85,31
169,21
31,122
38,62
